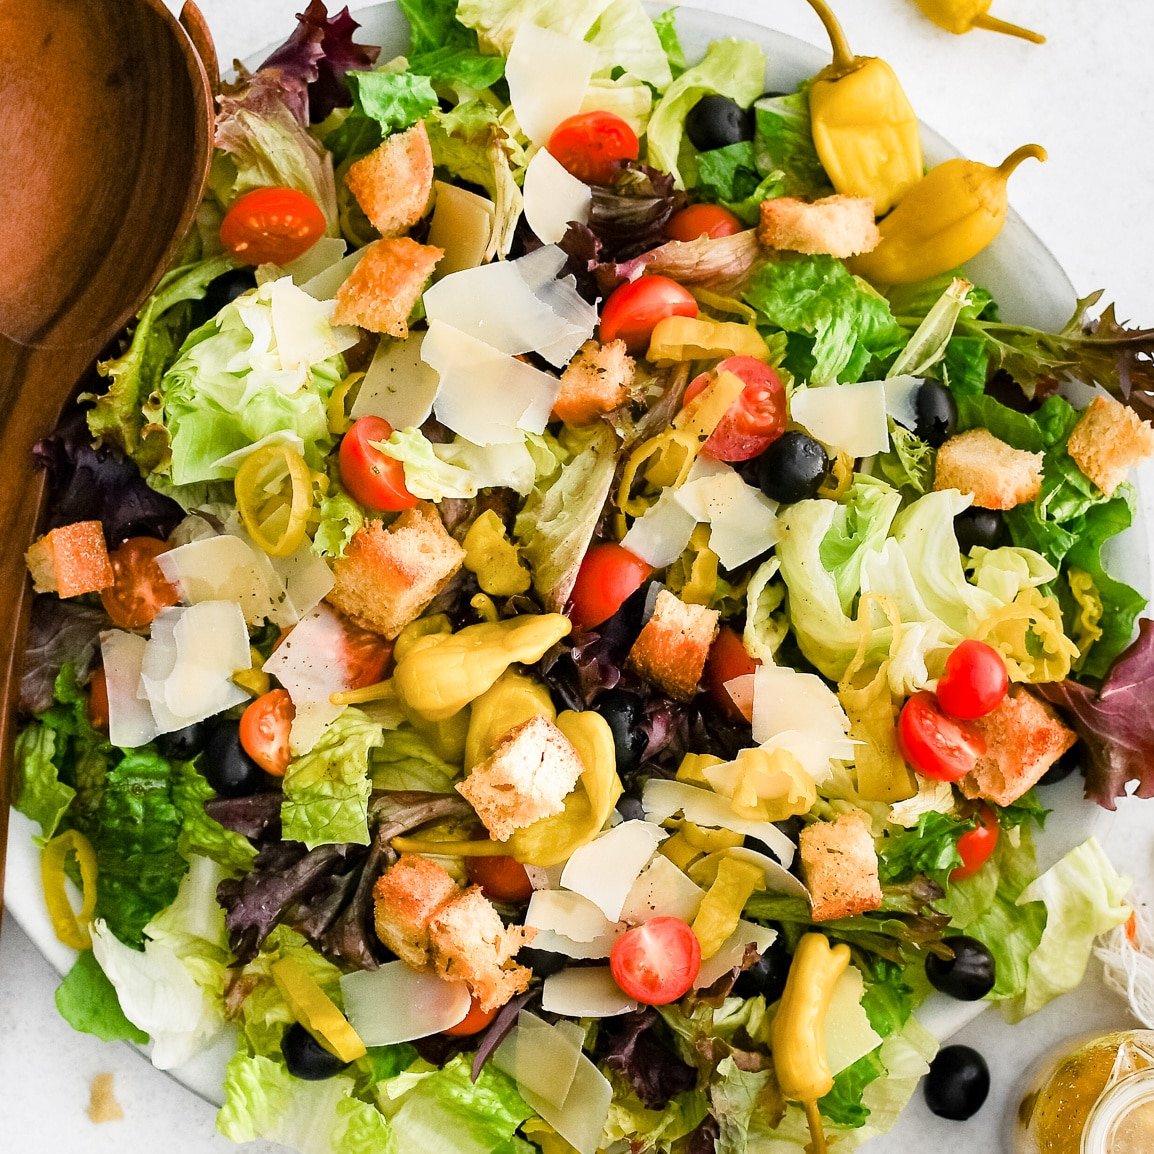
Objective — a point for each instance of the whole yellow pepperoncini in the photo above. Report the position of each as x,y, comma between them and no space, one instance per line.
797,1035
864,127
960,16
947,218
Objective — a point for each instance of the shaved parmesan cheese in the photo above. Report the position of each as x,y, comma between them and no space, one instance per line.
485,395
662,799
224,568
743,520
848,417
580,1119
398,385
307,581
539,1058
661,890
567,913
548,74
659,536
324,286
777,878
130,720
848,1033
322,255
553,197
605,869
901,399
303,663
397,1004
555,943
732,952
462,227
588,992
301,324
799,712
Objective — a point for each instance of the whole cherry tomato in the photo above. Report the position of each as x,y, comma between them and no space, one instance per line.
633,309
502,878
272,226
935,745
755,420
472,1023
974,681
590,145
699,220
976,845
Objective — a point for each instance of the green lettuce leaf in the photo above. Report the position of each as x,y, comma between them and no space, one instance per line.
909,462
730,177
200,834
929,848
87,1001
405,760
383,103
783,143
37,792
735,1097
444,49
666,28
338,519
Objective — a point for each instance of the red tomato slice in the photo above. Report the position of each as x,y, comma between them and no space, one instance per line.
375,480
98,701
272,225
139,590
609,573
504,879
264,730
367,656
590,145
935,745
974,680
657,962
728,659
755,420
976,845
698,220
472,1023
633,309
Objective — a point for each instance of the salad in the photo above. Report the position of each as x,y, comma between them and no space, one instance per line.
558,623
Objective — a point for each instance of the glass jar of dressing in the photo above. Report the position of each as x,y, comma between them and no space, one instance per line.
1095,1097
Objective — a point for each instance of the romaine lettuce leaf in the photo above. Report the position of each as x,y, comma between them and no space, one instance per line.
338,519
405,760
929,848
199,833
730,177
666,28
87,1001
383,103
37,792
783,143
443,48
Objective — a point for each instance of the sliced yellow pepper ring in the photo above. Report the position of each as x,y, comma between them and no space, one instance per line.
336,409
316,1011
274,493
693,766
840,476
1088,624
722,906
72,927
700,339
1030,636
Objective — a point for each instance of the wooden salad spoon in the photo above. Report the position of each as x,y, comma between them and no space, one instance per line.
106,117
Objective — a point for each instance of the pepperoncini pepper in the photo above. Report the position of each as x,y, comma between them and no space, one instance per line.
947,218
960,16
72,927
864,128
797,1035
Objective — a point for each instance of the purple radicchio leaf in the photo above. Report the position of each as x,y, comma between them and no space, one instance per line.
500,1028
632,1045
703,1140
254,816
59,632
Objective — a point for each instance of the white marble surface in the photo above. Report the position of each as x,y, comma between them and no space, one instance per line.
1088,96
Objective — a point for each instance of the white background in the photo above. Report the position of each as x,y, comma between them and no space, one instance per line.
1087,95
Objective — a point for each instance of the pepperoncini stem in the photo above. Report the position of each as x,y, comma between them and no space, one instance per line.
843,59
961,16
429,845
1026,152
993,24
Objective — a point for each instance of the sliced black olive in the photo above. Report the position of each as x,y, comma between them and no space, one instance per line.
792,468
630,808
226,288
623,712
715,121
227,768
1070,761
968,975
957,1083
767,975
936,413
184,744
306,1058
543,963
980,529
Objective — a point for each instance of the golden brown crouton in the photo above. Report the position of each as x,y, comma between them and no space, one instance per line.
405,899
595,382
841,226
995,474
70,560
471,944
673,645
1108,439
380,292
1024,737
527,777
840,867
388,576
394,182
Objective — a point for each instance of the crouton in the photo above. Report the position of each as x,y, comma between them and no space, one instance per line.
394,182
70,560
840,867
1108,439
1024,737
471,944
595,382
995,474
673,645
405,899
527,777
380,292
388,576
841,226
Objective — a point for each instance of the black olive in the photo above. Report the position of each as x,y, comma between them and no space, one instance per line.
183,744
306,1058
543,963
980,529
226,288
968,976
936,413
767,975
715,121
758,846
792,468
1070,761
623,712
227,768
630,808
957,1083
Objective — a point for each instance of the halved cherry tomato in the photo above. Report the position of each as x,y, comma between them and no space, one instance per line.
608,575
656,962
98,701
755,420
367,656
974,680
699,220
633,309
472,1023
264,730
590,144
139,590
504,879
935,745
976,845
272,225
375,480
727,659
